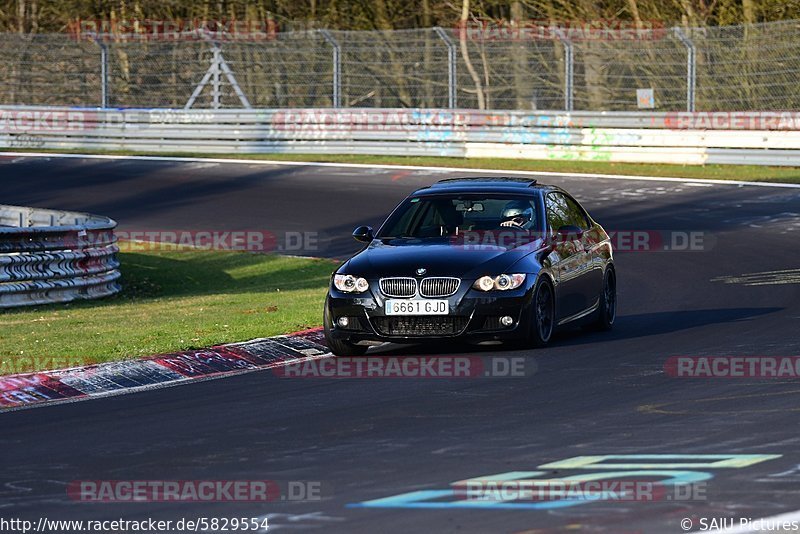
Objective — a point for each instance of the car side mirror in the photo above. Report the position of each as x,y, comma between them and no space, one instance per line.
363,234
569,232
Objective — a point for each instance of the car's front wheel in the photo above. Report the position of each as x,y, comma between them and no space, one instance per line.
543,314
339,347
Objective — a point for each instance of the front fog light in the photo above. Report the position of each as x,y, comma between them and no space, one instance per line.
506,320
343,322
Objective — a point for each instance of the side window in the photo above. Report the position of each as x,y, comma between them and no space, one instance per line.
576,214
558,211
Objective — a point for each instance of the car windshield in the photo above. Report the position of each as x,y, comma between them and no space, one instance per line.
451,216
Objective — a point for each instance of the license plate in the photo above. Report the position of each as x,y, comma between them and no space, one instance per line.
416,307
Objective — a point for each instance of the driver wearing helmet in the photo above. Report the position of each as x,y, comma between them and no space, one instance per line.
517,214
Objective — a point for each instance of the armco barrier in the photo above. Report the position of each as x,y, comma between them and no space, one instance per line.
758,138
49,256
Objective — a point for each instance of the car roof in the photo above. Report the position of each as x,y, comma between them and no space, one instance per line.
484,184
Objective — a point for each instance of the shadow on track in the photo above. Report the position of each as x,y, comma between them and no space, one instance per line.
657,323
626,327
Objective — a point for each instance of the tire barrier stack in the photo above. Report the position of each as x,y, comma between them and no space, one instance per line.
51,256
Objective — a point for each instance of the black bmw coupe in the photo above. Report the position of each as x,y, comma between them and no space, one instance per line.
474,259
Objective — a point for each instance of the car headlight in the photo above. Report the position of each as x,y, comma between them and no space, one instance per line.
348,283
504,282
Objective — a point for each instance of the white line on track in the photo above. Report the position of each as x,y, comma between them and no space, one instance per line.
397,167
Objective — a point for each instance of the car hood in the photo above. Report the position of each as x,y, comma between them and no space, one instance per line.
439,257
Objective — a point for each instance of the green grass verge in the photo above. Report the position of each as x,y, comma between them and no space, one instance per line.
752,173
171,300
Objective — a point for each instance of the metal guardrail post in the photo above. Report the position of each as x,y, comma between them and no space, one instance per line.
337,67
452,95
103,75
569,70
691,68
103,71
215,92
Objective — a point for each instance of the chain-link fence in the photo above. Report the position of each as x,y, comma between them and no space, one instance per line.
755,67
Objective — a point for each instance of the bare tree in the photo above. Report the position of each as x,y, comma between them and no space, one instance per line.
462,38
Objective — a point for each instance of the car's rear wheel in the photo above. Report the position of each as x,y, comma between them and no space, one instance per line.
607,311
543,314
339,347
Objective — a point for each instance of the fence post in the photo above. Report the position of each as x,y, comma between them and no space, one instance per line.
452,95
103,73
691,70
569,69
215,92
337,67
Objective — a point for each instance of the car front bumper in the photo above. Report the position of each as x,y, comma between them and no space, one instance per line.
473,317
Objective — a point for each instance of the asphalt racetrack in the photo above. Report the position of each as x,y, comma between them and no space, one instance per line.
371,442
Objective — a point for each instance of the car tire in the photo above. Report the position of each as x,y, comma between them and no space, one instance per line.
542,314
607,311
339,347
